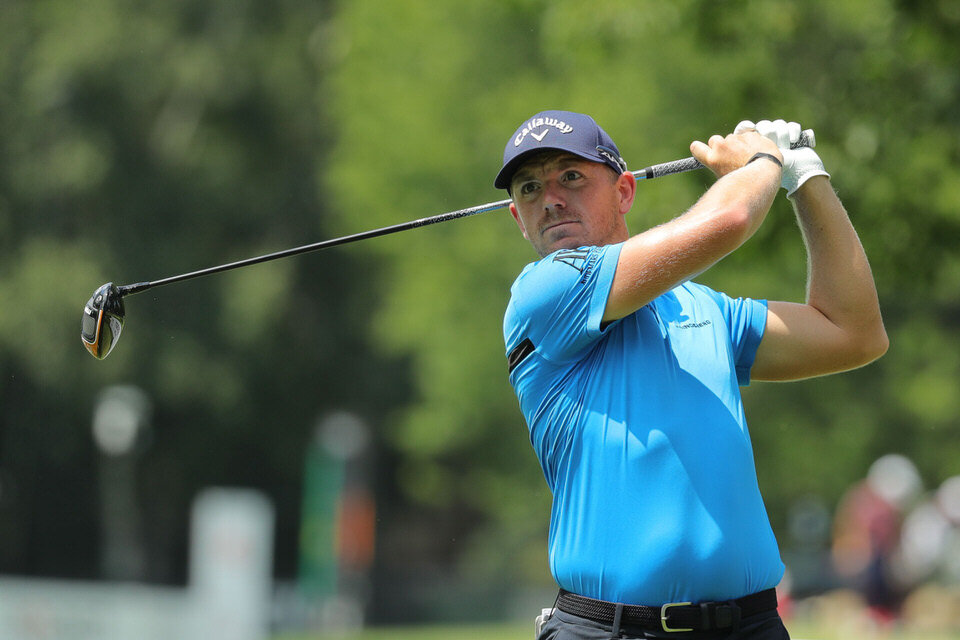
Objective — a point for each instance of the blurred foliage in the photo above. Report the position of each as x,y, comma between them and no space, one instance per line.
140,140
425,95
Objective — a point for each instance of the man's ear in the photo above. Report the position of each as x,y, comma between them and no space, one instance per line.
627,188
516,216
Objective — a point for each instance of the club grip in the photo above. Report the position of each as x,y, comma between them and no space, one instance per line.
807,139
669,168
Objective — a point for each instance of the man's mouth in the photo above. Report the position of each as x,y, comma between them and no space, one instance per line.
560,223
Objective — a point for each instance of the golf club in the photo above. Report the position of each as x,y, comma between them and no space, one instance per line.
103,315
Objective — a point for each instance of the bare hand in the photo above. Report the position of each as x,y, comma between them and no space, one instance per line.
725,154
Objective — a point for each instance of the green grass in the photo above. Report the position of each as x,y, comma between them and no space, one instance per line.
473,632
799,630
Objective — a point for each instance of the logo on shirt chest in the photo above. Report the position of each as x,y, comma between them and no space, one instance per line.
691,325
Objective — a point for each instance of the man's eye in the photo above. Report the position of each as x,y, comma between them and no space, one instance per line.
528,187
571,175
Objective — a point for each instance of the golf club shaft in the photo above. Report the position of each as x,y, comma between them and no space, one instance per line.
130,289
647,173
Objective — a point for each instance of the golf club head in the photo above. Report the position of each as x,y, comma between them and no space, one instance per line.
102,321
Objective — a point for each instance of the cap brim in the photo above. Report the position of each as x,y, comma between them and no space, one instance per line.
505,177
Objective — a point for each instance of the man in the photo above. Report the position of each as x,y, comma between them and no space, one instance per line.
628,373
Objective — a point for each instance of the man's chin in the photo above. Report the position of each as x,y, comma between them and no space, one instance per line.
557,245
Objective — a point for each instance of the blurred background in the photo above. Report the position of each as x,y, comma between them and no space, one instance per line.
328,443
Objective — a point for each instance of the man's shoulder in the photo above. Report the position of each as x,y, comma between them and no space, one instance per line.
565,288
566,265
575,259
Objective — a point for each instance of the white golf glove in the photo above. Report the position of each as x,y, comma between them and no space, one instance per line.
800,164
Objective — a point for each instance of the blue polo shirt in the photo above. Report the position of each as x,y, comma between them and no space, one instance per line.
640,431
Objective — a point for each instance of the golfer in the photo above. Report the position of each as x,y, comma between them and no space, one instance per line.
628,373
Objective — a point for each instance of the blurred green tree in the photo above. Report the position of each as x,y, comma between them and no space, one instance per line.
140,140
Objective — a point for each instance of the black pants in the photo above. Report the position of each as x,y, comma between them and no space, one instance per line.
563,626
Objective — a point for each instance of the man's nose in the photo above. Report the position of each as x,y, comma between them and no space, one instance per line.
552,197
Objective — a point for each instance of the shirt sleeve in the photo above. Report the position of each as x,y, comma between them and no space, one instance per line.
558,302
746,320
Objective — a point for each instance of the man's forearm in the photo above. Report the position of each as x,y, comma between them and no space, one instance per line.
751,190
839,281
659,259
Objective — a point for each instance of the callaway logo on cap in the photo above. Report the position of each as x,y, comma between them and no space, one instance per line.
544,125
576,133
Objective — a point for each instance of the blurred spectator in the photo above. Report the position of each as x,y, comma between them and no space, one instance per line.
929,547
948,498
867,533
929,558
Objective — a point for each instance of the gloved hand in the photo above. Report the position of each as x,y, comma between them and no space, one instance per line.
800,164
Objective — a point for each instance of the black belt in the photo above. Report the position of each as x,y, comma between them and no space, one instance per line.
673,616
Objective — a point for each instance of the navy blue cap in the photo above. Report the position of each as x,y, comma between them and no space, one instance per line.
564,130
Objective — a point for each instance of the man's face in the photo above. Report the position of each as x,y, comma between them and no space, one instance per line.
562,201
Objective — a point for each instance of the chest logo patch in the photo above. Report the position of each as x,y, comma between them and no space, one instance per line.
693,325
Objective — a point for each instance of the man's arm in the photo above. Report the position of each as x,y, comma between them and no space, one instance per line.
840,326
661,258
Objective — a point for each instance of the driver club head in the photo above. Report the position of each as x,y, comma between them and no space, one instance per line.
102,321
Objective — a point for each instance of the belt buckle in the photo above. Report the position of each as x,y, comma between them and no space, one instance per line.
663,616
